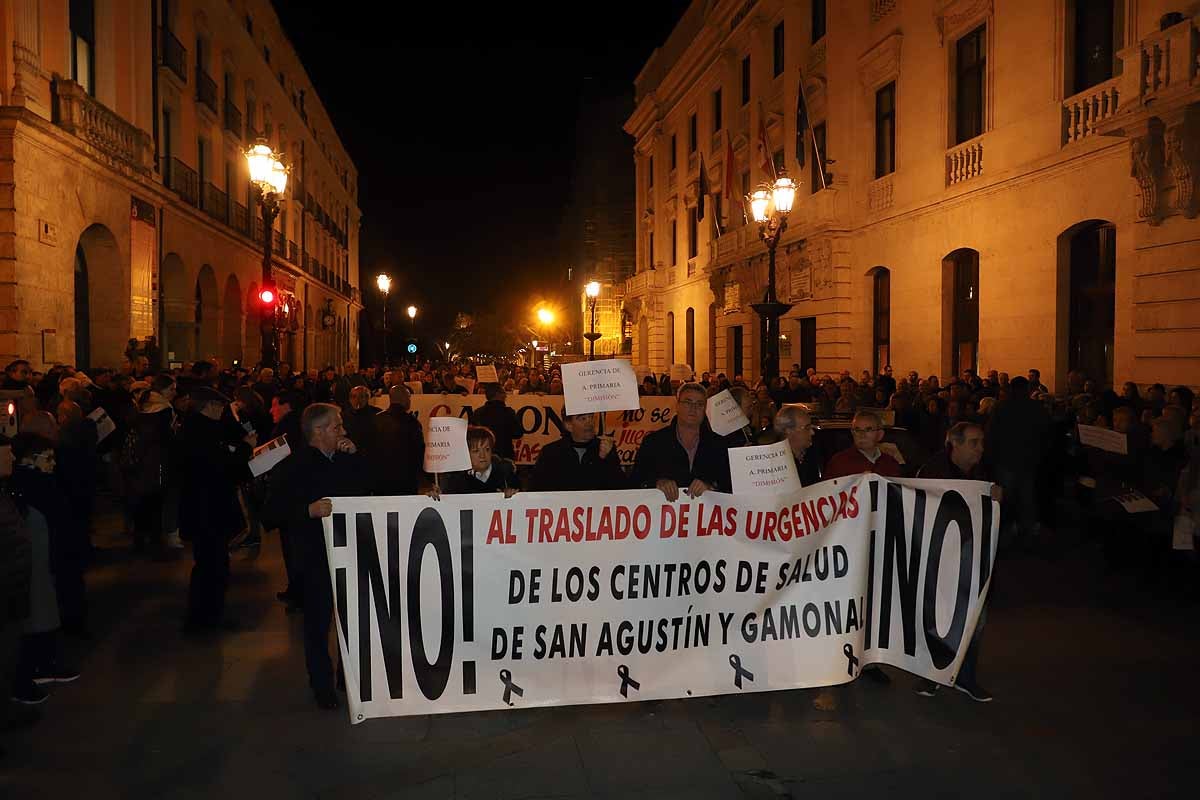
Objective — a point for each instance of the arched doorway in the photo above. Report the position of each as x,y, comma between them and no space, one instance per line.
881,318
178,308
83,315
206,312
231,328
960,310
101,281
1087,262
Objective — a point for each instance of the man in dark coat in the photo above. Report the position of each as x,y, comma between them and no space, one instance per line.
579,461
214,452
328,465
685,454
286,409
962,460
400,454
360,419
76,473
500,419
1016,443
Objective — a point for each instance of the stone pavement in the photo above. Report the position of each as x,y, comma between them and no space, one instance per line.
1094,679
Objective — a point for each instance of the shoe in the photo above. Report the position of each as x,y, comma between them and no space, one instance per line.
173,541
878,675
327,699
55,674
32,695
974,691
927,689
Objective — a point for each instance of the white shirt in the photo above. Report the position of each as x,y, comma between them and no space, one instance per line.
482,477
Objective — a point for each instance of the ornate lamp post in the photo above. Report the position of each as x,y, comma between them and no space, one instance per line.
384,282
593,294
270,175
771,206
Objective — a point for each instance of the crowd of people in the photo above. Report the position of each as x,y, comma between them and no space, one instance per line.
174,445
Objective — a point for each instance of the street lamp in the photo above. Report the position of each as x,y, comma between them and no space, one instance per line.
384,282
270,175
593,293
771,206
546,318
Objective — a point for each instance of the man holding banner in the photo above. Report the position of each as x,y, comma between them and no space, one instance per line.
330,466
685,453
580,461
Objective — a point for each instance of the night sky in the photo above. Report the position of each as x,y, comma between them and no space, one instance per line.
461,125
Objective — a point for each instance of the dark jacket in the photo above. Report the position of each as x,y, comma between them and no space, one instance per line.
503,476
33,488
941,467
361,426
810,468
288,426
305,476
147,457
560,468
16,562
502,421
1017,433
399,456
213,461
661,456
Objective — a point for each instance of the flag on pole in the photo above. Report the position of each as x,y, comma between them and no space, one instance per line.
727,175
764,146
703,191
801,121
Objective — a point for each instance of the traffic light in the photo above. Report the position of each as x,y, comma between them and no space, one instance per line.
267,296
411,347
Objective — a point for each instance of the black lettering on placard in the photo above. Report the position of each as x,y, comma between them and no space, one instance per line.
901,563
952,510
466,545
339,530
340,599
429,530
387,606
870,615
537,419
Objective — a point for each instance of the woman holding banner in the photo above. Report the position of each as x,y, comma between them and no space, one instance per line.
488,472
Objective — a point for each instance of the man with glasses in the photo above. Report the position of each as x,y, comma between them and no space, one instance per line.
686,453
795,424
330,466
865,455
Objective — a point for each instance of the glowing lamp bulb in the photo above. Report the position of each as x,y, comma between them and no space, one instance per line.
267,296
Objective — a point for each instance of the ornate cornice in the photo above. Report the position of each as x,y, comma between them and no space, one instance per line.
953,17
881,63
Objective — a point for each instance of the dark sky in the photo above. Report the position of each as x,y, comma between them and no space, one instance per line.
461,125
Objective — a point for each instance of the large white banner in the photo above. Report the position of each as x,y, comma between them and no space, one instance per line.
475,602
541,415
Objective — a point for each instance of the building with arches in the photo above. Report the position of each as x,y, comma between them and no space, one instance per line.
125,203
1005,186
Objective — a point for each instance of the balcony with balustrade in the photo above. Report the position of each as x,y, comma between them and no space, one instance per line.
183,180
206,90
233,119
1085,112
215,203
964,161
118,142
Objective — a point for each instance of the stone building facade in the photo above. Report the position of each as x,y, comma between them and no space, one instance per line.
1009,184
125,203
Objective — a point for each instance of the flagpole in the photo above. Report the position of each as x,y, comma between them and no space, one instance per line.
812,134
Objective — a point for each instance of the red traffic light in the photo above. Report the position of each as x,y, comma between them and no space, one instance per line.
267,295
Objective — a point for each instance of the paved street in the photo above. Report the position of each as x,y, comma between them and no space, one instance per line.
1093,679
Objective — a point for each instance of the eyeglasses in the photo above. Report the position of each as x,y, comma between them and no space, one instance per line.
863,430
693,403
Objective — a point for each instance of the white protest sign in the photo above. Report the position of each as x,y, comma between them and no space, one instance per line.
1135,502
1104,439
104,424
466,383
764,468
486,373
681,372
555,598
724,414
446,445
269,455
606,385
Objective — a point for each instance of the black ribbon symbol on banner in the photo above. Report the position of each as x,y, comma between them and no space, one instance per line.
626,681
739,671
851,659
509,687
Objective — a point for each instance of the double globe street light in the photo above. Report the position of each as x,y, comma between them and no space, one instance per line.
770,205
270,175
